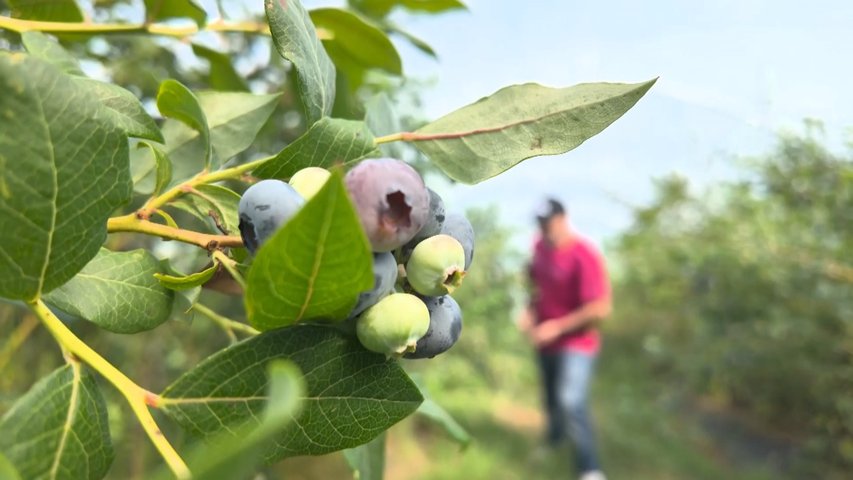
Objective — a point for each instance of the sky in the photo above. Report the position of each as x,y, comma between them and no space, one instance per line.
733,73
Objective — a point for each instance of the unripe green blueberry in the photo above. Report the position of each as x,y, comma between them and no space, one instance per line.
437,266
394,325
308,181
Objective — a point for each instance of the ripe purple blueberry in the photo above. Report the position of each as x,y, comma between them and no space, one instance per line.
391,200
445,326
394,325
264,208
437,266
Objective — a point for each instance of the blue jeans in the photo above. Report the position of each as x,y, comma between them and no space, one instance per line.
566,376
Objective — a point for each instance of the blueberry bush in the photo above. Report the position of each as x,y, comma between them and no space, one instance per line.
341,254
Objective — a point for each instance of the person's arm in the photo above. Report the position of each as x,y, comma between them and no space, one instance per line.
588,314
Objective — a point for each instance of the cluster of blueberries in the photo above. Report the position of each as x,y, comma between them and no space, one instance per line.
420,253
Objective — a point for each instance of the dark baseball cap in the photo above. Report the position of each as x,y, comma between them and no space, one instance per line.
548,209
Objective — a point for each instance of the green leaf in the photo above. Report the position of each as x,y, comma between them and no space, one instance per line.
58,429
156,10
234,119
238,454
383,120
177,101
314,267
125,110
381,8
437,414
121,105
329,142
296,40
46,10
117,291
7,470
222,75
186,282
213,202
63,170
368,461
162,167
356,45
417,42
496,133
352,394
41,46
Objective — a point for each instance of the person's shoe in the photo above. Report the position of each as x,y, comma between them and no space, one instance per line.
593,475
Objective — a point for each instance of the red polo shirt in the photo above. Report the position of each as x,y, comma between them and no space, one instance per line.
566,278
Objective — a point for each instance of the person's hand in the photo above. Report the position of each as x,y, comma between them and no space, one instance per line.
525,320
545,333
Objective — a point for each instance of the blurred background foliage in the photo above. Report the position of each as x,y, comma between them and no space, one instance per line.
730,354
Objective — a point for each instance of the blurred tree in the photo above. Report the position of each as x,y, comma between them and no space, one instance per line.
745,290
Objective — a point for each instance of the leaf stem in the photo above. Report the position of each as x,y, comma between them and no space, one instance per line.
226,323
394,137
132,223
201,179
137,397
20,26
231,265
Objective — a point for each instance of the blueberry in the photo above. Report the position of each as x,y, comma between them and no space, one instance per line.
445,326
308,181
435,219
458,227
437,266
264,208
394,325
384,279
391,200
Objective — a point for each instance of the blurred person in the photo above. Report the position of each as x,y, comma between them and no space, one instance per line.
570,296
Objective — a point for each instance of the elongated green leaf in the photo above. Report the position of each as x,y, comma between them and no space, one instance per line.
234,119
213,202
186,282
58,430
437,414
162,167
117,291
352,394
222,75
121,105
41,46
177,101
416,41
356,45
368,461
380,8
314,267
63,170
156,10
496,133
296,40
329,142
47,10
